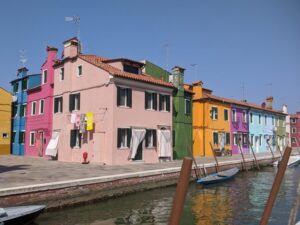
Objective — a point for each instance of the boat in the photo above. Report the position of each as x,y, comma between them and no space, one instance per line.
20,215
218,177
294,160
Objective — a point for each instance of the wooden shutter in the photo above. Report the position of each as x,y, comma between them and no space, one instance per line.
154,138
147,138
118,96
72,138
119,137
146,100
168,103
71,102
154,101
160,102
78,101
55,105
79,134
129,97
62,103
128,137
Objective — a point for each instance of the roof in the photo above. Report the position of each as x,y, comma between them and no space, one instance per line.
123,60
236,102
21,78
296,115
189,91
100,62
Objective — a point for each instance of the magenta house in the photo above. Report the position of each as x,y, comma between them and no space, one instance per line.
39,110
107,111
239,128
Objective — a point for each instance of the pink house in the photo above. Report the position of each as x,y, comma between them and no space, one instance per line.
108,111
39,110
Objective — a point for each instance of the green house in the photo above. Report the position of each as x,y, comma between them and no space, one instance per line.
182,108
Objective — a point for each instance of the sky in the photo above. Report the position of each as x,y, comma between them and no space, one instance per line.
241,49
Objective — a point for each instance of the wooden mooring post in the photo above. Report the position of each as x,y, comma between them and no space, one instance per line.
253,153
243,158
214,154
181,190
275,187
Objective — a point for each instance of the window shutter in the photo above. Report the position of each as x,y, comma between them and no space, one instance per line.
173,138
71,102
147,138
78,101
118,96
129,97
154,101
168,103
61,104
79,138
119,138
72,138
160,102
154,138
55,105
128,137
146,100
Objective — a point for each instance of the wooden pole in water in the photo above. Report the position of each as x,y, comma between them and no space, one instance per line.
250,144
214,154
273,157
243,158
294,211
276,186
181,190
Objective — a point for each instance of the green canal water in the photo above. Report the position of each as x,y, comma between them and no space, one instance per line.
240,201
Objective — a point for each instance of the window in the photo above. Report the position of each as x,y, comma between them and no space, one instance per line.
15,110
150,100
225,114
32,138
252,139
259,140
259,119
150,138
74,102
227,139
62,74
75,139
79,71
13,138
4,135
251,117
42,102
273,121
235,139
294,130
16,87
21,137
23,110
24,84
214,113
33,108
124,97
58,105
293,120
188,106
277,121
215,138
44,78
245,139
244,117
164,103
233,115
124,137
266,121
293,140
130,69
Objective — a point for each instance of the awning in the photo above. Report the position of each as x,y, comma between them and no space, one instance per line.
51,149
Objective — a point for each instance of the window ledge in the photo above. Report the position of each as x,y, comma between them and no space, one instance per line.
124,107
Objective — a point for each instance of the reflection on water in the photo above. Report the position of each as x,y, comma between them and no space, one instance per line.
240,201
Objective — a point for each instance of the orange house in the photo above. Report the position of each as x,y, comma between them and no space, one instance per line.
211,121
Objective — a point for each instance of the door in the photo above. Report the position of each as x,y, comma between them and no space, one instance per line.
222,141
139,153
256,144
40,143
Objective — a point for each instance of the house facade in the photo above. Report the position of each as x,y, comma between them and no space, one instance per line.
39,109
20,86
282,139
295,130
5,121
182,108
107,111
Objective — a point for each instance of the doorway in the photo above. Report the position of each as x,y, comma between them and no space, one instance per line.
139,152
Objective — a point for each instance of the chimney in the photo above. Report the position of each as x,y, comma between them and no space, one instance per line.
284,109
71,48
178,76
269,102
22,72
263,105
197,89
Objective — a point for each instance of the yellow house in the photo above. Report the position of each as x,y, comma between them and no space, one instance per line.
211,121
5,121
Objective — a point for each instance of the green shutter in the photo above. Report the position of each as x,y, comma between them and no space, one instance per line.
55,105
146,100
129,97
160,102
119,138
154,101
118,96
168,103
154,138
128,137
147,138
72,138
78,101
71,102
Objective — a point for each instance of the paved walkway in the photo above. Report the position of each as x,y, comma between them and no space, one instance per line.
18,171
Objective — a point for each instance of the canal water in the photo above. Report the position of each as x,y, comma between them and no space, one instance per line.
238,202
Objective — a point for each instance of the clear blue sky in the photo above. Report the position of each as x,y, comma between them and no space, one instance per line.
250,43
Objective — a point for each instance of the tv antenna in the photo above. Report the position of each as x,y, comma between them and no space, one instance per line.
23,58
76,21
195,66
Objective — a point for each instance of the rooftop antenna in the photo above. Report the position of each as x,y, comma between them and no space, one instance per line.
23,58
166,46
195,66
76,21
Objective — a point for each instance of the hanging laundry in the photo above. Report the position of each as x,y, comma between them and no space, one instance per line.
73,118
89,121
82,127
77,124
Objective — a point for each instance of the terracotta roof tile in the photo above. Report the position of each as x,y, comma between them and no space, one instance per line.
99,62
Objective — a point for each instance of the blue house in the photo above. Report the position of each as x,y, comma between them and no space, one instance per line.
20,86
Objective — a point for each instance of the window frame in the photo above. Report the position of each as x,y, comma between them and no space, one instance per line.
294,130
62,74
215,138
41,106
151,100
293,140
33,109
214,113
23,107
226,115
151,138
227,138
234,118
164,103
293,120
74,102
79,71
32,141
59,103
5,134
259,118
124,137
45,75
245,116
127,97
251,117
23,137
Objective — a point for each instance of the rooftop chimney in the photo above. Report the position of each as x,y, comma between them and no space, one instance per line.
22,72
269,102
178,76
284,109
71,48
263,105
